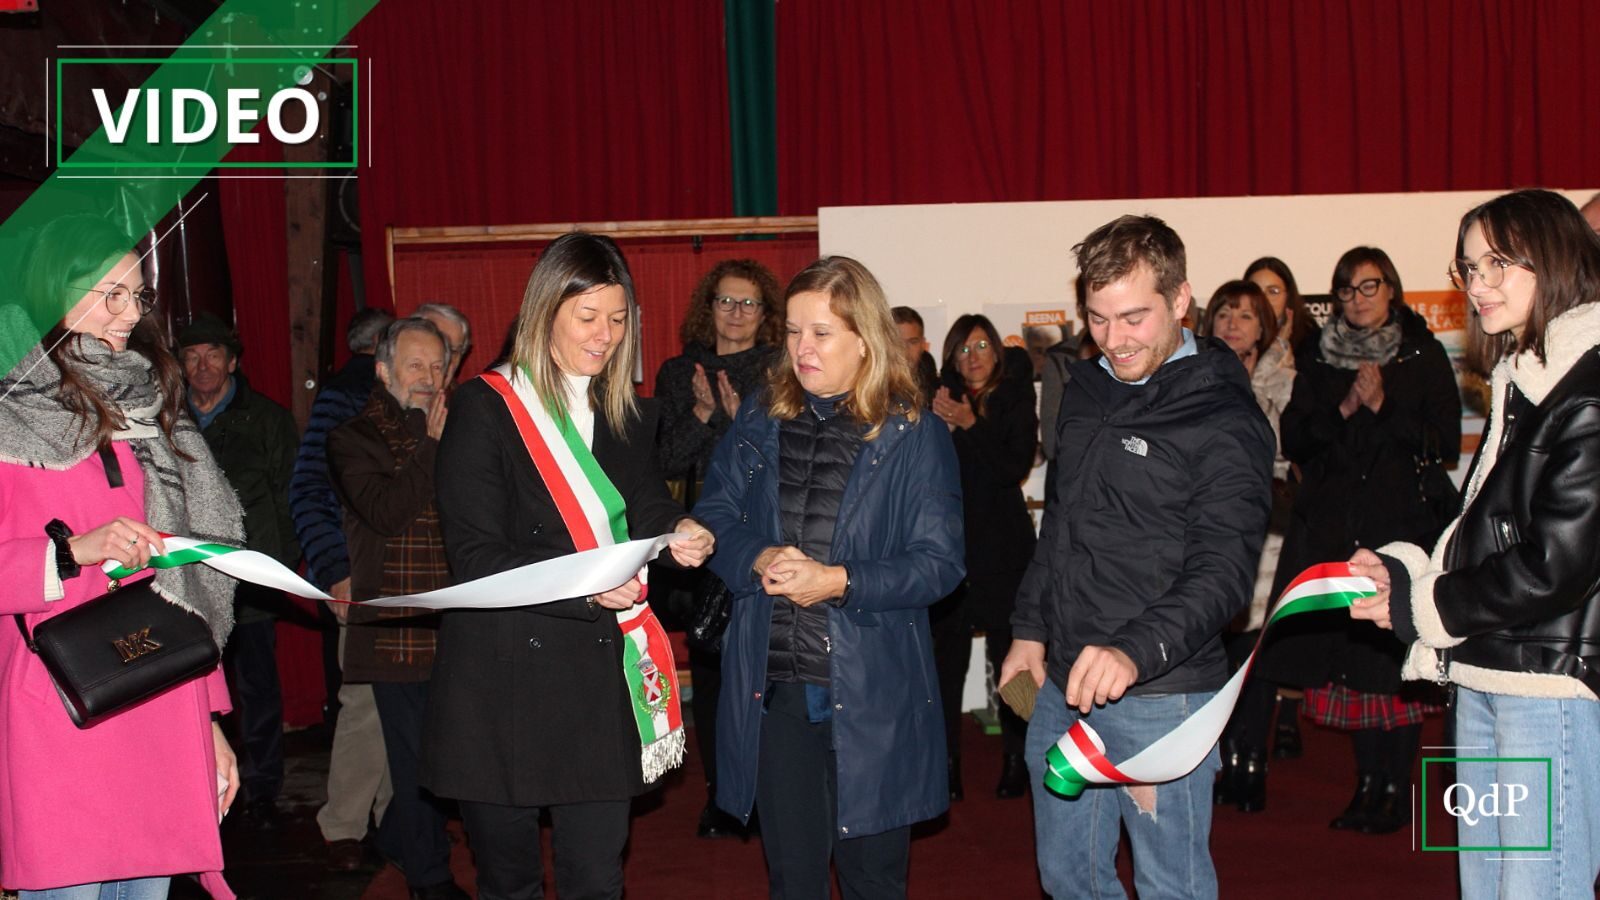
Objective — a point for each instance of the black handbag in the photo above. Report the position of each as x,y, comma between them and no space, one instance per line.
119,649
1436,493
713,606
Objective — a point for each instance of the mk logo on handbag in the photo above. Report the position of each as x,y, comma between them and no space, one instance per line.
135,645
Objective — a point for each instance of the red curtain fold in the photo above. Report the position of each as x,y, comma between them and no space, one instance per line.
503,112
256,234
906,101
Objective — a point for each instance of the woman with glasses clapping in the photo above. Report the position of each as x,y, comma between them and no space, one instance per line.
989,407
1374,417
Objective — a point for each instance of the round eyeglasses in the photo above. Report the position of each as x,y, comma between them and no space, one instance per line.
116,299
1490,270
729,304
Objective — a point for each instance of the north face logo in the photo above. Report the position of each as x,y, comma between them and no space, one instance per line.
1136,446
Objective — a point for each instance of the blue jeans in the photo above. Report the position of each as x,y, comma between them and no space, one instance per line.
1077,839
1565,731
132,889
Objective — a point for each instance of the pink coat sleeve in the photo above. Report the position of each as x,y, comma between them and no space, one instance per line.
22,562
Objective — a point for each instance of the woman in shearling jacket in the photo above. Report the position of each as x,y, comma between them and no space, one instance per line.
1507,607
837,510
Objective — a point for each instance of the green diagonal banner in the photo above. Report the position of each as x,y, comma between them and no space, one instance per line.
241,67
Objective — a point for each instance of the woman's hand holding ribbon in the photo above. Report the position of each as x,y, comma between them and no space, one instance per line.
1374,609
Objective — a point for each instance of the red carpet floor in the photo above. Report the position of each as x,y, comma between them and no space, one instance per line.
984,848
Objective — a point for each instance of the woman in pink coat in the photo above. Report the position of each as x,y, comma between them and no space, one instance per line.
96,460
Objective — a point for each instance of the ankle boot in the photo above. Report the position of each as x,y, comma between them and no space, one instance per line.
1286,737
955,778
1226,791
1252,791
1013,778
1369,788
1392,809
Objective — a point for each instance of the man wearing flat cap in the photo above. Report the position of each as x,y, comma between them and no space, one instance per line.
254,441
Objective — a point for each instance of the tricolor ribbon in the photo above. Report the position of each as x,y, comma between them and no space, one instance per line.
1078,759
574,575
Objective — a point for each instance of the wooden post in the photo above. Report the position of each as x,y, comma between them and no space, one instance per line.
312,279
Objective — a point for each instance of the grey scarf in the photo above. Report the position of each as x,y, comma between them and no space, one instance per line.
190,498
1345,346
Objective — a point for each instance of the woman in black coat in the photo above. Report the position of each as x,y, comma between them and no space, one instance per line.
988,403
530,708
1374,417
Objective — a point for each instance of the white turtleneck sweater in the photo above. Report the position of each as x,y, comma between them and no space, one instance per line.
578,407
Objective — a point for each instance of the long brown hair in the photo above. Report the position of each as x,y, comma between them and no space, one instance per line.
884,384
67,255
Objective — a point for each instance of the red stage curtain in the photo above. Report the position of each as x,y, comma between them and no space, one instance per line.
907,101
486,283
504,112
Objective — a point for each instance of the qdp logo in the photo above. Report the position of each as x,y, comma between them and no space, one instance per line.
1507,788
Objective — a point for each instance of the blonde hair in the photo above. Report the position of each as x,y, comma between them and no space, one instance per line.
573,264
884,384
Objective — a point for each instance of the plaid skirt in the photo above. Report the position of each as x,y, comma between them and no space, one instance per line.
1337,706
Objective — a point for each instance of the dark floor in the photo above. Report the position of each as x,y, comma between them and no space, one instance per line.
982,848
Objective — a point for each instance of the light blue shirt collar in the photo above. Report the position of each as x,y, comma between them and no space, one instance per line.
1187,348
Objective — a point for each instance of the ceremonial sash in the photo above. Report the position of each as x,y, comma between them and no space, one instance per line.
596,516
1078,759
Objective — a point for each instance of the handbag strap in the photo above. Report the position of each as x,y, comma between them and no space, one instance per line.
27,636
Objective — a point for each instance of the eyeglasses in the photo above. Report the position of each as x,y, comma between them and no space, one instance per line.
116,299
748,304
1368,288
965,349
1489,269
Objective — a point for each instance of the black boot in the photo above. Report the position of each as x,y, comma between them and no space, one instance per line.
714,823
1013,778
1369,787
1252,782
1226,791
1392,810
1286,735
955,778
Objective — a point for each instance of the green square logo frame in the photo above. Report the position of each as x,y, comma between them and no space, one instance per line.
1549,806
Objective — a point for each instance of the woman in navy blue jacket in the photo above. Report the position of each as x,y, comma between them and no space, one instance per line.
836,503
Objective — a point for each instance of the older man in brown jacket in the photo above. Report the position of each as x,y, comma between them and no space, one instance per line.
382,466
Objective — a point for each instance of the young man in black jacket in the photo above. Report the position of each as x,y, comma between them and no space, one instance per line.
1149,546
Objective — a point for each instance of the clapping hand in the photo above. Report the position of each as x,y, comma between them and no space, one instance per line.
730,396
956,414
704,403
1368,386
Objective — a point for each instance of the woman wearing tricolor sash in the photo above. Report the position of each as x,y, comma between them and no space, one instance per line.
837,505
568,707
1506,608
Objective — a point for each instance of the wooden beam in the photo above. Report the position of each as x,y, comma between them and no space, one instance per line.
312,279
498,234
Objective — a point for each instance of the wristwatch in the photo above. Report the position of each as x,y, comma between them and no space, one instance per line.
66,566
